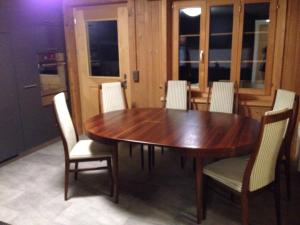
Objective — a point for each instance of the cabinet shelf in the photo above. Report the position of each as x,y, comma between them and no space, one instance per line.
189,35
256,32
221,34
253,61
220,61
189,61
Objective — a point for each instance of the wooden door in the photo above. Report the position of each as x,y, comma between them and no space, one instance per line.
102,44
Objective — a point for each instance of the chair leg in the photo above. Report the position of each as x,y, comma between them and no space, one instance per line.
162,150
142,157
245,208
287,170
76,172
149,158
277,200
205,196
182,162
67,168
130,150
153,155
116,173
111,177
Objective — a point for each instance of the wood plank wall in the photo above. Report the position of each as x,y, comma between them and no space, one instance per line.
149,54
291,66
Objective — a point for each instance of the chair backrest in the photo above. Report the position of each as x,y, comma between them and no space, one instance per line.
261,168
177,95
65,122
284,99
222,97
287,99
112,97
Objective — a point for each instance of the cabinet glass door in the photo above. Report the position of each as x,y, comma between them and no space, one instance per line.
220,43
188,26
255,40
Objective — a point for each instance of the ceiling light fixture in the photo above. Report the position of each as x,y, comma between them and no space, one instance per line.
192,12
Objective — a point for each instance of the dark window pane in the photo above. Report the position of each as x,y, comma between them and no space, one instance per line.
220,42
103,47
190,72
189,44
189,49
188,24
255,42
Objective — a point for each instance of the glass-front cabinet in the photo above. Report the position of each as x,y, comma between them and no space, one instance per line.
224,40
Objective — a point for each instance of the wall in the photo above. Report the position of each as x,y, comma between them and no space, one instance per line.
291,67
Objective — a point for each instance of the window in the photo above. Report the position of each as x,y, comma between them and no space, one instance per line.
103,48
235,42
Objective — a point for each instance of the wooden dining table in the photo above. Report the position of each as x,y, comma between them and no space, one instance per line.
199,134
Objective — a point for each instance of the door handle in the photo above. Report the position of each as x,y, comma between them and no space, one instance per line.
201,56
29,86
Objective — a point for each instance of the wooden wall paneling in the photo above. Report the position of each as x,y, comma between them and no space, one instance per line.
141,99
166,33
72,67
291,66
155,73
132,46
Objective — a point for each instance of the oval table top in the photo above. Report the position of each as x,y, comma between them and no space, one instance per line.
197,132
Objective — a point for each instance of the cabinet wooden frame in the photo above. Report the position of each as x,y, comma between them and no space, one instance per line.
177,5
234,41
250,96
270,48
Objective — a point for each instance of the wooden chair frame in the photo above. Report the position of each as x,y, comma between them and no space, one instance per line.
246,193
76,170
235,100
286,161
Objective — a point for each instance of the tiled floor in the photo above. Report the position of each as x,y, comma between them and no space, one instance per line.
31,193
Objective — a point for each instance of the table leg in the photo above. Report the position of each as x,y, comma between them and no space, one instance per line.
116,172
199,188
149,158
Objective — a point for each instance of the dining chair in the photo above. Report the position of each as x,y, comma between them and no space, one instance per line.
112,98
248,175
76,150
223,97
287,99
178,96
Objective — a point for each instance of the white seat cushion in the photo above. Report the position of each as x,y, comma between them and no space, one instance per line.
90,149
229,172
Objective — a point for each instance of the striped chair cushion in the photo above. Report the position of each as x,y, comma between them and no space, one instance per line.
177,94
112,97
222,97
263,171
64,120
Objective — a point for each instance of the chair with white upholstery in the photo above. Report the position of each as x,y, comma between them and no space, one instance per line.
223,97
112,97
287,99
178,95
79,150
246,175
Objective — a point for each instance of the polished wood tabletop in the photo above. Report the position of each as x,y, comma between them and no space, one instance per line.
197,132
